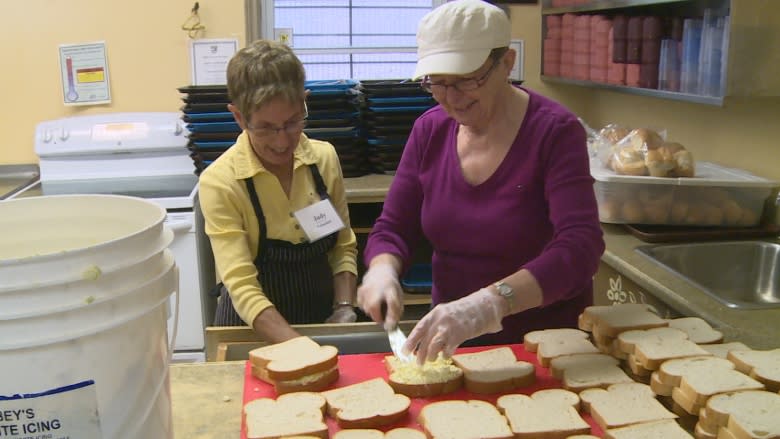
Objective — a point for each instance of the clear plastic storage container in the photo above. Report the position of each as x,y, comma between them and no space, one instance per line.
716,196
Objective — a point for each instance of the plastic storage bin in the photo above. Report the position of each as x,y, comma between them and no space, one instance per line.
716,196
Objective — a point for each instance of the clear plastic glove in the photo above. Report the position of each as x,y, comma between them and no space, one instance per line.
380,287
342,314
450,324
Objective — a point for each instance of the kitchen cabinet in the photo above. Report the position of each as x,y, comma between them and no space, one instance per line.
752,63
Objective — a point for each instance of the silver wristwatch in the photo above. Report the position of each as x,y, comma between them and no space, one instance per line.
505,291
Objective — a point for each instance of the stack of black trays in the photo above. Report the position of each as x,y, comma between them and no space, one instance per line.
212,129
334,116
390,109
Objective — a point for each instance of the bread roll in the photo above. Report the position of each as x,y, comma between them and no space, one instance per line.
629,161
613,133
660,162
643,139
632,211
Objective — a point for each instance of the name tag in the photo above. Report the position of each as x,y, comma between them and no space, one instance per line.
320,219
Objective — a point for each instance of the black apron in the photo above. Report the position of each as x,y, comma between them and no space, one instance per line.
296,278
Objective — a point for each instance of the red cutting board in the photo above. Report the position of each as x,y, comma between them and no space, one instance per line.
361,367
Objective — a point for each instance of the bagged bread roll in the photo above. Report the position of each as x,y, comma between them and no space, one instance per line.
628,161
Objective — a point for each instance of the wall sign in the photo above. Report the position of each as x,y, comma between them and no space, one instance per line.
84,74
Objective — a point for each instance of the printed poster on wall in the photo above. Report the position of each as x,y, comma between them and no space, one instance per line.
84,73
209,59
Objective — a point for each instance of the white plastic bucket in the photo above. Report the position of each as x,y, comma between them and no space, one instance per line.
85,356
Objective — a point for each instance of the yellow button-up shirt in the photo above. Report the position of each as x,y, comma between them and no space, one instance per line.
233,227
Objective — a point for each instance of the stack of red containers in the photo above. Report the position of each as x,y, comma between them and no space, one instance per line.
552,46
582,47
616,72
567,45
633,50
599,47
652,32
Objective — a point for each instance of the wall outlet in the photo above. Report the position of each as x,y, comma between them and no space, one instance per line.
284,35
517,71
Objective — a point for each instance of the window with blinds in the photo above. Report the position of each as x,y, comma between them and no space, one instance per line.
357,39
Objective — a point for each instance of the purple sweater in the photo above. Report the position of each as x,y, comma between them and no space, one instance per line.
537,211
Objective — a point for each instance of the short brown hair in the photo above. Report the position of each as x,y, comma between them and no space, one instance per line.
262,71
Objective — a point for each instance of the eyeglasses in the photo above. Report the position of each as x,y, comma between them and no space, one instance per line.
466,84
290,128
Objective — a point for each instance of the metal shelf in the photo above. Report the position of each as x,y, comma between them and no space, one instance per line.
684,97
598,5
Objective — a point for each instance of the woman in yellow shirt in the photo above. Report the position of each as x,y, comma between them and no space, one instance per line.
277,270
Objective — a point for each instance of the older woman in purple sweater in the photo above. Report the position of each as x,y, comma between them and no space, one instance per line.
496,178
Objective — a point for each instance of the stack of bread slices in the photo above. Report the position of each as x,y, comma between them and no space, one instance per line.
636,374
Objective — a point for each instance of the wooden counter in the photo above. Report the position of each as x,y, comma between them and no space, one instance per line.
371,188
207,399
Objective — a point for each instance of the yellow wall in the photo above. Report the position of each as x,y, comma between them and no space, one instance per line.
147,55
146,50
744,133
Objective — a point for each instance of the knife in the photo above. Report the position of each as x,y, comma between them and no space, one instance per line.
397,339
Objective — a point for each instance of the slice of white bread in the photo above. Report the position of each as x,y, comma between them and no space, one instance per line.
651,347
722,349
295,365
659,387
551,343
293,414
698,378
610,320
431,379
764,366
623,404
367,404
366,433
546,414
586,371
666,429
494,371
459,419
746,414
698,330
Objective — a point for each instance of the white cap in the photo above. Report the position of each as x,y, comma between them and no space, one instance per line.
457,37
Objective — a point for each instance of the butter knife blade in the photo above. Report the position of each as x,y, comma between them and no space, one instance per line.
397,339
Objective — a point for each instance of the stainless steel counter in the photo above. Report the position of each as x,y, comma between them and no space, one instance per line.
13,178
758,328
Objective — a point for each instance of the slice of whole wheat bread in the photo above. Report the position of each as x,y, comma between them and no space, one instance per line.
431,379
546,414
293,414
367,404
494,370
459,419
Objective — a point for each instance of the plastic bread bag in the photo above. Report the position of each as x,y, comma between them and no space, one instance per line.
608,138
645,151
592,138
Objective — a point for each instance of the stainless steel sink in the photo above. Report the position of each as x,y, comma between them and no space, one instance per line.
740,274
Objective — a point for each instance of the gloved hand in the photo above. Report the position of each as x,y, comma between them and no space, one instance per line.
342,314
448,325
381,286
